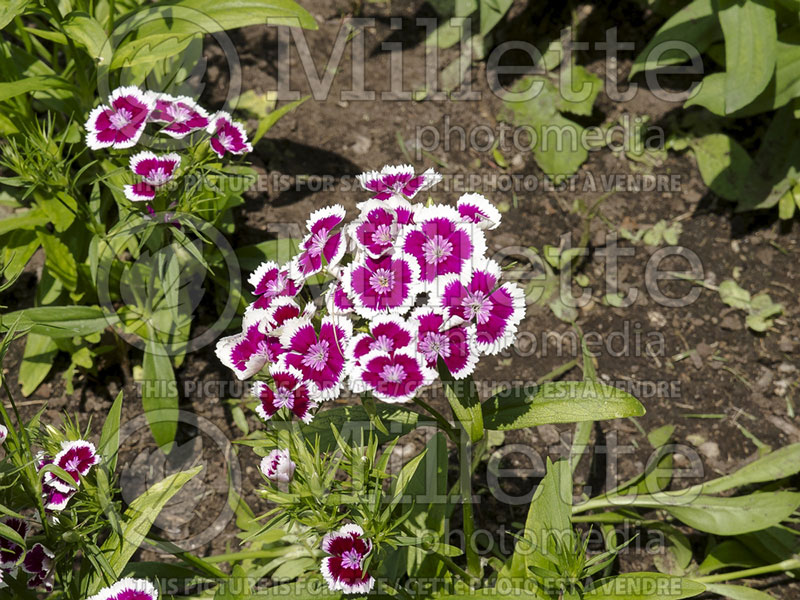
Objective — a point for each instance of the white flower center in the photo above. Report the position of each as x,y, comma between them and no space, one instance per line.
179,114
317,356
318,241
121,118
393,373
351,559
382,234
382,281
383,343
433,345
478,306
158,176
437,249
284,398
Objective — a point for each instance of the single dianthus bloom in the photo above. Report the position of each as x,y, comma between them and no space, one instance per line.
391,377
271,281
344,569
180,116
11,552
76,458
455,345
319,357
381,286
227,135
496,310
400,181
387,334
128,589
155,172
322,246
376,231
290,392
247,352
278,466
38,563
442,245
121,124
3,434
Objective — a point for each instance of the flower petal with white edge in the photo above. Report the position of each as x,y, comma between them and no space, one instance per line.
476,209
227,135
442,245
3,434
247,352
128,589
393,378
381,286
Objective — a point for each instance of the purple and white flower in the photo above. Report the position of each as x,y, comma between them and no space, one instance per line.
247,352
54,499
155,172
442,245
496,310
121,124
278,466
400,181
475,208
180,116
387,334
344,569
11,552
321,246
227,135
318,356
380,286
376,231
391,377
76,458
3,434
455,345
38,563
290,392
128,589
271,281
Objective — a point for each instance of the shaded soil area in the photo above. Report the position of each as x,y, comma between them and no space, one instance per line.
694,365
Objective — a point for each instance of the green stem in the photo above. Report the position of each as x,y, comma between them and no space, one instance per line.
245,555
467,577
473,559
786,565
557,372
451,432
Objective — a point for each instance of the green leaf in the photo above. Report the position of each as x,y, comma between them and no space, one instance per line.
727,554
751,38
558,402
733,295
726,167
59,261
726,516
108,446
159,394
59,321
534,101
137,522
463,398
86,32
737,592
11,89
645,586
25,220
574,98
776,465
695,27
37,360
236,587
305,589
491,11
11,9
188,17
549,518
265,123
